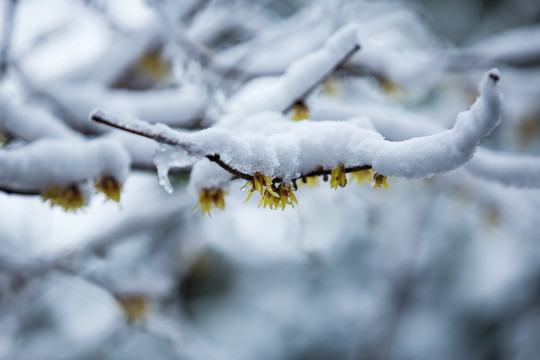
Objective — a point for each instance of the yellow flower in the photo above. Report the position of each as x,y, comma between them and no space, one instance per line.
361,176
2,139
135,306
300,111
109,186
284,196
380,180
69,198
390,87
330,87
268,199
260,183
209,198
154,66
338,177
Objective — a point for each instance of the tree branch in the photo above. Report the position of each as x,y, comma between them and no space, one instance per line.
101,117
10,191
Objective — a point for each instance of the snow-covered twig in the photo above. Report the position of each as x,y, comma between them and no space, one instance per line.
302,76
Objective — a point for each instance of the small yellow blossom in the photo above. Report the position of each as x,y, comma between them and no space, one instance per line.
362,176
285,196
109,186
209,198
390,87
135,307
380,180
69,198
2,139
260,183
268,199
300,111
338,177
310,181
330,86
154,66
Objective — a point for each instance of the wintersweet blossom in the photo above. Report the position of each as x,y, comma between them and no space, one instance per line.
154,66
135,307
260,183
380,180
209,198
284,196
338,177
109,186
69,198
361,176
300,111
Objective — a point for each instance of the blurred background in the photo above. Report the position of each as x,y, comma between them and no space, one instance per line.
441,268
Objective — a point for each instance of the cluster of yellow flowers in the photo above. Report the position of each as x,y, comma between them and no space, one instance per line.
270,195
278,197
209,198
338,177
282,195
71,197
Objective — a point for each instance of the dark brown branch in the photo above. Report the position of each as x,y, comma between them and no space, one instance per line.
215,158
8,190
320,172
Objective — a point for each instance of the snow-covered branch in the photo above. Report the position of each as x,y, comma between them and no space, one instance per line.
50,166
290,150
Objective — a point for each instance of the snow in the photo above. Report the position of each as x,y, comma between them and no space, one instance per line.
177,107
31,123
301,75
49,162
167,157
510,169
